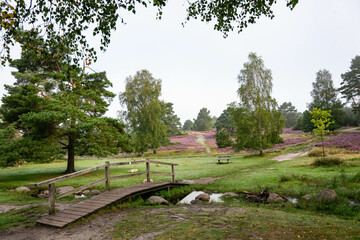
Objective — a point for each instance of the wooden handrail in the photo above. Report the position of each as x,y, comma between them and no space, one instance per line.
107,165
70,175
164,163
127,176
127,163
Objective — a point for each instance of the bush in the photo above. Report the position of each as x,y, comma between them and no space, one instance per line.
316,152
222,138
328,161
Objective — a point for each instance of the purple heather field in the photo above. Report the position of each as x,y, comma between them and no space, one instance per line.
349,141
189,143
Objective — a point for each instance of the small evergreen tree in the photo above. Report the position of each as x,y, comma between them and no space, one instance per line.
222,138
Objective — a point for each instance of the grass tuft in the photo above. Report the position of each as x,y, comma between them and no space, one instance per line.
316,152
328,161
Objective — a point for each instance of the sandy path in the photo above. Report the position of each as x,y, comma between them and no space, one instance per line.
201,139
288,156
350,130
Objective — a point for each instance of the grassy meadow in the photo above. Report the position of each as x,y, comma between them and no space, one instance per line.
246,172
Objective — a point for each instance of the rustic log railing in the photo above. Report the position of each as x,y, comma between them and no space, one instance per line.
107,179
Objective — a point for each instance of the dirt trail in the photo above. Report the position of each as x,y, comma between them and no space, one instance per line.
100,226
350,130
201,139
288,156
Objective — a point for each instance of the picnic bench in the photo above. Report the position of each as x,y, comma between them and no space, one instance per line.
222,158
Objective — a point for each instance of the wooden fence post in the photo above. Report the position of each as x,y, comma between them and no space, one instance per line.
51,198
173,173
148,170
107,176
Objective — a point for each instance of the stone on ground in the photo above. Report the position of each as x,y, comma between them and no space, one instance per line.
145,180
204,197
274,198
307,197
94,192
195,201
157,199
22,189
326,194
65,189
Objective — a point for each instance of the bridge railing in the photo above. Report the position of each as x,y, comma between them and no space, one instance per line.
106,179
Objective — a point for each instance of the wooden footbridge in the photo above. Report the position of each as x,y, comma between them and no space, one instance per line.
75,212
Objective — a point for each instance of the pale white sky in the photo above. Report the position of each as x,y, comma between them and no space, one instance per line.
198,67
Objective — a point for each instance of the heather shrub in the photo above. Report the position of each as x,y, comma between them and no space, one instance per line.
328,161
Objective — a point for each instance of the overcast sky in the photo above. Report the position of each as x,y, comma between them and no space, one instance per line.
198,67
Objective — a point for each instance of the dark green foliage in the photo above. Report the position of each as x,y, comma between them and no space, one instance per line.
188,125
350,117
324,94
225,122
171,120
307,125
145,111
57,107
68,21
325,97
222,138
327,161
350,86
289,113
203,122
299,121
258,123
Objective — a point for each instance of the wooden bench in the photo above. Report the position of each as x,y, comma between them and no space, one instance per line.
223,158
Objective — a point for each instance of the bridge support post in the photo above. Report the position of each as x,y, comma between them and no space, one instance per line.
147,170
107,176
173,173
51,198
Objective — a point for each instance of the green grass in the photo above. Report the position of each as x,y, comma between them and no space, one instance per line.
250,173
25,216
226,223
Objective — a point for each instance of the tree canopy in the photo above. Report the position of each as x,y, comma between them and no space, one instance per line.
68,21
224,121
188,125
289,113
350,86
203,122
171,120
145,112
324,97
54,106
258,123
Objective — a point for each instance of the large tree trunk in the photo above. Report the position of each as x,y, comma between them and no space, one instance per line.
71,156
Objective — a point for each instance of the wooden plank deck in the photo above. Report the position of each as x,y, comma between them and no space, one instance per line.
95,203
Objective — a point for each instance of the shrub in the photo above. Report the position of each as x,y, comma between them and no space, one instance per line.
222,138
356,178
316,152
328,161
285,178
